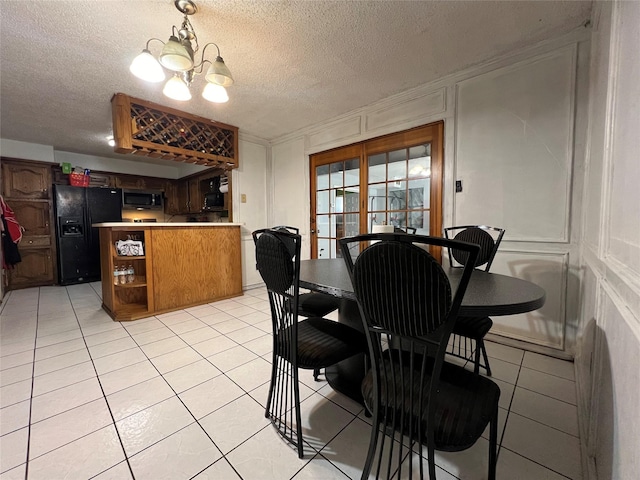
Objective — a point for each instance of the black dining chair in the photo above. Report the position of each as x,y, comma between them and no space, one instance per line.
311,304
410,230
312,343
418,400
470,330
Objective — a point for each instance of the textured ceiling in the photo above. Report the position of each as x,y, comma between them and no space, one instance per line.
295,63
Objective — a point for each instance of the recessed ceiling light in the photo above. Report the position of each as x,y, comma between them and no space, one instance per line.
111,141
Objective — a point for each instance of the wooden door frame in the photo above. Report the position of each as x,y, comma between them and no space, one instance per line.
432,133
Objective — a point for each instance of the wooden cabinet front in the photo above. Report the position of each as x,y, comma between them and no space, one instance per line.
196,198
26,180
27,190
171,201
35,269
35,218
199,265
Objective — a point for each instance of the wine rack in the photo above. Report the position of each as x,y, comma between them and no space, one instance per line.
145,128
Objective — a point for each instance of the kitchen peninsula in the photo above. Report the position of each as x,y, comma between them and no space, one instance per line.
181,265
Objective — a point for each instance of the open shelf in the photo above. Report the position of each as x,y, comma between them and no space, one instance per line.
126,301
135,284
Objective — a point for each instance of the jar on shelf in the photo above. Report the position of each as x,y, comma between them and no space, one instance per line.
131,274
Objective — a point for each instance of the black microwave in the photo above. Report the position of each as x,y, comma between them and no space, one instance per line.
142,200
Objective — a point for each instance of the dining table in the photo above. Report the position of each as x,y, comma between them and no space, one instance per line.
487,294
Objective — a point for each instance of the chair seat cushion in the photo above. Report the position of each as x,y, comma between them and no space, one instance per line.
322,342
316,304
464,405
472,327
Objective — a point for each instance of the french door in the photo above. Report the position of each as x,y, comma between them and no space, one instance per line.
391,180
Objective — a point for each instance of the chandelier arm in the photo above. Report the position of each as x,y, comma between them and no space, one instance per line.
203,61
150,40
198,69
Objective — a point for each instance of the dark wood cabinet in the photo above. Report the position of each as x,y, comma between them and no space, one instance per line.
187,196
132,182
101,180
196,197
27,190
136,182
35,269
34,216
171,201
26,180
96,179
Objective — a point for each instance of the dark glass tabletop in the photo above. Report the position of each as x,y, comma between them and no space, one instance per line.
488,294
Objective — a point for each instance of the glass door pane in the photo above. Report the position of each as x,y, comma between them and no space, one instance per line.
337,205
399,188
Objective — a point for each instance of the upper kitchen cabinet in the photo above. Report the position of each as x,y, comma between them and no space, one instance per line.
96,179
136,182
183,197
25,180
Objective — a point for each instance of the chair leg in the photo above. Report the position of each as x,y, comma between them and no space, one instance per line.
493,441
296,399
476,368
267,409
480,346
316,372
371,453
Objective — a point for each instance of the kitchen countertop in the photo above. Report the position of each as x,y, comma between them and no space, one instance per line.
166,224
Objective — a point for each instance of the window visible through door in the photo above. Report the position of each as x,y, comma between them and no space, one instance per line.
391,180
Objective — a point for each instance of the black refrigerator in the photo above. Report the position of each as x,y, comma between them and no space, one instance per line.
76,209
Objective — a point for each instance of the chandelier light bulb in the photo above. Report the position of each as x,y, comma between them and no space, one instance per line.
175,56
215,93
219,74
147,68
177,89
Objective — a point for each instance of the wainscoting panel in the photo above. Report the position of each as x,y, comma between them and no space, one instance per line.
514,148
545,326
397,113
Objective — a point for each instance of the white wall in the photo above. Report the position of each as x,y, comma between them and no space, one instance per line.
26,151
250,180
499,157
608,360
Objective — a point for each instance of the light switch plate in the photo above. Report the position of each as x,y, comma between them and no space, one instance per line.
243,198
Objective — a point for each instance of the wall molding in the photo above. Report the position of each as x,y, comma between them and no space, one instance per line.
340,131
411,109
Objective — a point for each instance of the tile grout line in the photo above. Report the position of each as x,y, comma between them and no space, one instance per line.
102,390
509,414
537,463
506,421
26,468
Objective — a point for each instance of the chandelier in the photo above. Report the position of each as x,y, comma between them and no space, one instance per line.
178,57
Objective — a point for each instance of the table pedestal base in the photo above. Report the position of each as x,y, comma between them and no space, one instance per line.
346,376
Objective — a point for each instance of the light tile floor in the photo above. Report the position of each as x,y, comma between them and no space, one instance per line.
181,396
